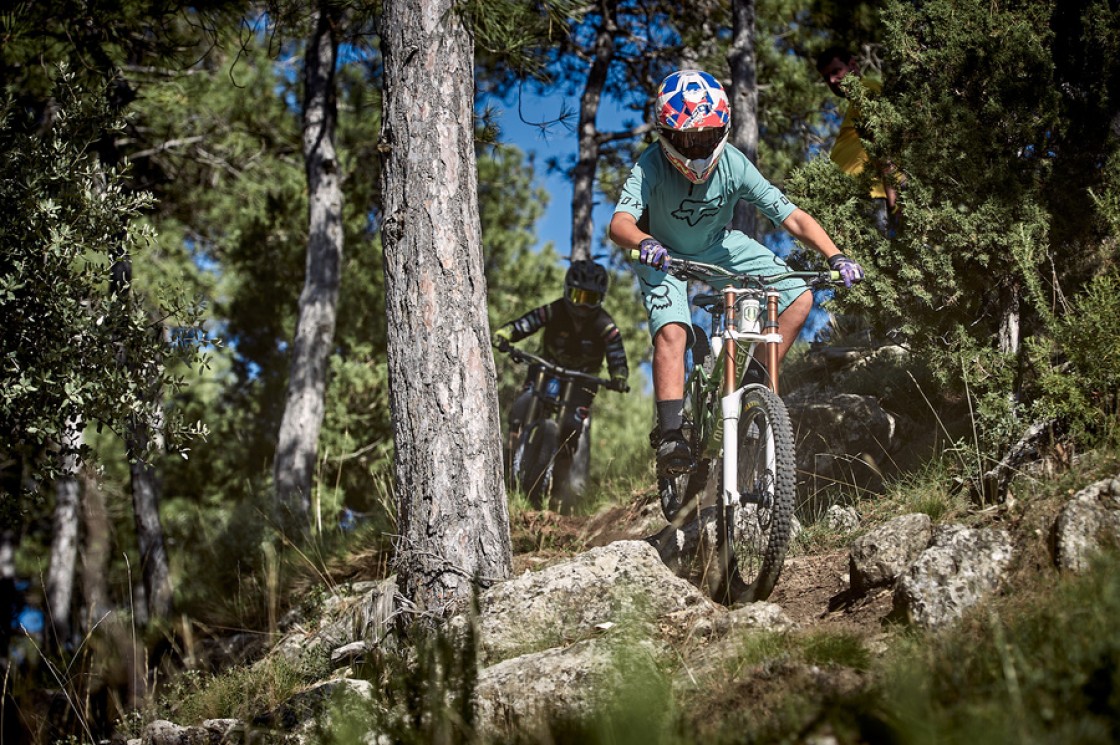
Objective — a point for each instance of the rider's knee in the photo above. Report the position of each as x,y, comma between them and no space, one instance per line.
671,337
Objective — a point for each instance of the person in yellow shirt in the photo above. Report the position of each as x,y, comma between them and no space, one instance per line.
834,64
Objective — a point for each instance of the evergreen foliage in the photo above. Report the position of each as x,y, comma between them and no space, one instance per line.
69,319
986,112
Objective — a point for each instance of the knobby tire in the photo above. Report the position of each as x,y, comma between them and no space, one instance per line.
752,536
537,458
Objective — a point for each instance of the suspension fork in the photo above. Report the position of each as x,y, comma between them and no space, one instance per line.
771,327
729,406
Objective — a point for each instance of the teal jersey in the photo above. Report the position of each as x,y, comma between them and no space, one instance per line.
688,218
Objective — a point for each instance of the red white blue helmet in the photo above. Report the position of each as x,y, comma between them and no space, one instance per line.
693,122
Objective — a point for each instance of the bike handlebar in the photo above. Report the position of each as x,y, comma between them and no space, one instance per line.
519,355
684,269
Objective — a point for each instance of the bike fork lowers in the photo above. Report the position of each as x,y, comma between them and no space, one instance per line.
731,405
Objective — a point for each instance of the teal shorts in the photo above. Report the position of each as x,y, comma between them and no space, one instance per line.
666,297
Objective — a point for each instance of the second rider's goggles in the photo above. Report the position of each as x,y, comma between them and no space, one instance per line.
580,296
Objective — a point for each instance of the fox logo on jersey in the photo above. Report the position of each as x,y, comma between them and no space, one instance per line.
693,211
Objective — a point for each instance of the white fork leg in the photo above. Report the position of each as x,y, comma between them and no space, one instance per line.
731,405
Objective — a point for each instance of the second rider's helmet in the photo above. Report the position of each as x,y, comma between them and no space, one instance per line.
585,286
693,122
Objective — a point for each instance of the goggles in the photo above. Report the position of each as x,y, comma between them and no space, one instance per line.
696,144
580,296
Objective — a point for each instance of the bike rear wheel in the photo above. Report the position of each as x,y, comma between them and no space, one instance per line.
752,535
538,455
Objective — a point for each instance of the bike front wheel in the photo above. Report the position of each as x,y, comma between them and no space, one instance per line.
535,466
752,533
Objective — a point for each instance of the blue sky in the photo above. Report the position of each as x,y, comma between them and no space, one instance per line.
559,141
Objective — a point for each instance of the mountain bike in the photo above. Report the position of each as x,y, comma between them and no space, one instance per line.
549,458
739,433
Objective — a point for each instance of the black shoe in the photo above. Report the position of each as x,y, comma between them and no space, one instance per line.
673,454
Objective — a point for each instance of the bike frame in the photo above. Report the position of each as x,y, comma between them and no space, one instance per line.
562,406
541,406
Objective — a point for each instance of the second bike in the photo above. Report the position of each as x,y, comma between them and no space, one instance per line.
548,456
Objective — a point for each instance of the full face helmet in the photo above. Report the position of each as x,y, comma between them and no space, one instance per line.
585,286
693,122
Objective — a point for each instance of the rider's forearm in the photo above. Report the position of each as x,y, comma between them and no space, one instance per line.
802,226
624,231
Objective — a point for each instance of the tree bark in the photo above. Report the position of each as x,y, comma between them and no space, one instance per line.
64,540
1008,340
452,519
744,99
154,565
583,175
95,555
11,599
294,465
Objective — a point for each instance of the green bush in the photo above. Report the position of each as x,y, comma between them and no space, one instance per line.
1079,363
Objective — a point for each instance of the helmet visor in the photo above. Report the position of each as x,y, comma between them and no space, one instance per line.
696,144
587,298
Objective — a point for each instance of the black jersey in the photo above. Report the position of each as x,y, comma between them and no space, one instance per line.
581,347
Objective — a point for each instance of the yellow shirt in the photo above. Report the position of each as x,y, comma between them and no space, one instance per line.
848,152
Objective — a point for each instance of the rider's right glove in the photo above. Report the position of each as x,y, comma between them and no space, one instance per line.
652,253
850,271
502,338
619,383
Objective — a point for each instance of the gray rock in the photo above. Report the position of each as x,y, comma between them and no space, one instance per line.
212,731
619,584
520,693
350,654
960,568
843,442
842,518
353,613
1090,516
881,555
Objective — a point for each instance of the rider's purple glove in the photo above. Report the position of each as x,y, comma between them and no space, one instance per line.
850,271
652,253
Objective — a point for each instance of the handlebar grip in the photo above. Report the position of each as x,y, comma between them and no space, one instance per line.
834,275
635,255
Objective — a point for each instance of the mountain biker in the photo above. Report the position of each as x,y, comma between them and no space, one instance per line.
578,334
680,196
834,64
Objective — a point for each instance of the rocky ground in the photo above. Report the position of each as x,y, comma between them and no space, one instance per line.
814,589
586,589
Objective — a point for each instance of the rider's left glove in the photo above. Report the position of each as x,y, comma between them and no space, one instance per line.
619,383
850,271
502,338
652,253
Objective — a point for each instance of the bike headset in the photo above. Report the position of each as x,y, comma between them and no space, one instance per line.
585,286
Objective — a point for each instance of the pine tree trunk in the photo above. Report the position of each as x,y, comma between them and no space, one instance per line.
154,565
11,599
451,506
583,175
95,554
64,540
144,442
294,465
744,100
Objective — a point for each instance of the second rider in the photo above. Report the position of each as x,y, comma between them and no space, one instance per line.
578,334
